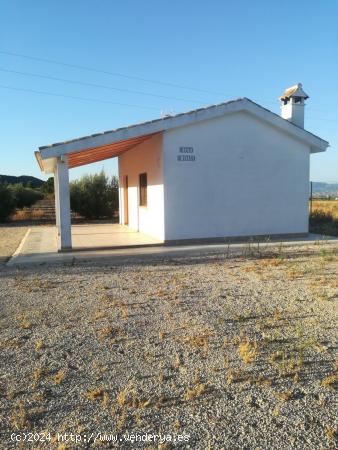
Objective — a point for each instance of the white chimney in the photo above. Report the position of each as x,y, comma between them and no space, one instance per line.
292,104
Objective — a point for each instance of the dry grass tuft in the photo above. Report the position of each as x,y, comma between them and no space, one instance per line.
38,397
330,381
161,335
195,392
59,376
264,382
276,411
247,350
140,404
288,363
201,341
121,421
272,262
24,323
105,399
292,274
330,432
161,377
330,206
108,332
323,296
62,447
37,213
22,214
39,345
177,425
95,394
277,315
19,418
275,356
123,397
99,315
177,362
37,374
234,376
284,396
124,312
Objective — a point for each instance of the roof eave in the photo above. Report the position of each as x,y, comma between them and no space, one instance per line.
315,143
39,160
320,149
46,165
142,129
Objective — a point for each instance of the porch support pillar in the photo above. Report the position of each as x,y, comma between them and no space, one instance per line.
57,210
62,200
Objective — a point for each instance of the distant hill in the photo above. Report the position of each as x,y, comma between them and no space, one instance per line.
324,189
24,179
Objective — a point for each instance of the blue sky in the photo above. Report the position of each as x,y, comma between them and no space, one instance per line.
219,49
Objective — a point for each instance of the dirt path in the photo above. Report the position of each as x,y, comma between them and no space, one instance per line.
10,238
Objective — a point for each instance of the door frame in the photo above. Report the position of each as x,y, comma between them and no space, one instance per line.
125,201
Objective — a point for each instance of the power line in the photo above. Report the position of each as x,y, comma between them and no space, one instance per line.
118,74
77,97
115,74
103,86
152,108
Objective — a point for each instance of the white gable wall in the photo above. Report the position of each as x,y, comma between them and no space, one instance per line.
249,178
146,157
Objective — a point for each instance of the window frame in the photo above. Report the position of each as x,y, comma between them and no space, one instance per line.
143,189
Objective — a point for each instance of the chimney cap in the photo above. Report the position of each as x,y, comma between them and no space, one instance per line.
294,91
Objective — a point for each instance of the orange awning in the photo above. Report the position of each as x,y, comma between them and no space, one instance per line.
91,155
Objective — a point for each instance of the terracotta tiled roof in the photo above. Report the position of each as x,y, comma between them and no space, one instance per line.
294,91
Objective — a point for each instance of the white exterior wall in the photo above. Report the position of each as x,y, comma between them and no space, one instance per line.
146,157
249,178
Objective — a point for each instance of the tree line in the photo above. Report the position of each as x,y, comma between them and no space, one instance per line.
92,196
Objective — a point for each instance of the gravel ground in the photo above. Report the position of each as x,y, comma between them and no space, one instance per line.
10,238
237,352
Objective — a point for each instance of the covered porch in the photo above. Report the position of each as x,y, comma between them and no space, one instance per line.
59,159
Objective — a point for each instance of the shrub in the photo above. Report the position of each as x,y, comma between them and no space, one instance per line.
94,196
320,217
48,186
25,197
7,202
323,222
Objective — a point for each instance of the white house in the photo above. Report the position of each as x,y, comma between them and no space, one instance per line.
230,170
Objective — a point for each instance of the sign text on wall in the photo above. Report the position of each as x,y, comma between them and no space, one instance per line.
186,154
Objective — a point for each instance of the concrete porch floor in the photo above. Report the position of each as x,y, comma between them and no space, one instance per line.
43,239
108,236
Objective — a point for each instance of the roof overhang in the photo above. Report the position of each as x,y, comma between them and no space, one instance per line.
113,143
